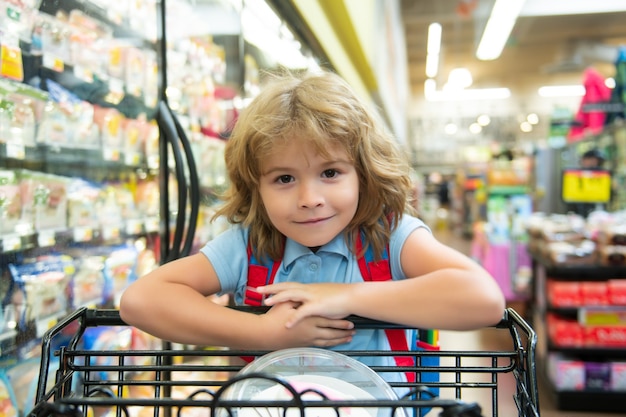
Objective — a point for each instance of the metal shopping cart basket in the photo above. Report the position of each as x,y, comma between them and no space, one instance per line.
79,382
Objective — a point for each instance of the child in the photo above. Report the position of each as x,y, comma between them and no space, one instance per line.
310,168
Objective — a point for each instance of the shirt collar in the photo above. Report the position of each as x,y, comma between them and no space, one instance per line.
294,250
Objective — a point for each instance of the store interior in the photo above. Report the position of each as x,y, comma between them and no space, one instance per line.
99,99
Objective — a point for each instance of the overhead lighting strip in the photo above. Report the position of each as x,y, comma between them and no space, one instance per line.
498,28
433,50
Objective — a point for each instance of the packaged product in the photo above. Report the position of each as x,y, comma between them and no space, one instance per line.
11,213
566,374
87,284
617,291
18,115
52,37
54,125
44,199
82,131
89,43
17,18
8,403
612,255
151,144
580,252
40,286
23,378
109,121
120,269
618,376
133,140
597,376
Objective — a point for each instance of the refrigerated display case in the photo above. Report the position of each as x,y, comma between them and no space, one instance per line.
106,110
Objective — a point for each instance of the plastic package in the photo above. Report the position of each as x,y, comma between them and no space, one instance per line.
321,373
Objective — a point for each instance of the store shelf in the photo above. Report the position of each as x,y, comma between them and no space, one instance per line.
590,400
594,401
579,272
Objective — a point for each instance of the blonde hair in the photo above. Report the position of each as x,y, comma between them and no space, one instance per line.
320,109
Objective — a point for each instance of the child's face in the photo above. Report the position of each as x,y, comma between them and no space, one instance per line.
308,198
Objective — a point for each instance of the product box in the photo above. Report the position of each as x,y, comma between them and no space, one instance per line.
616,289
564,294
594,293
618,376
597,376
565,332
605,336
566,374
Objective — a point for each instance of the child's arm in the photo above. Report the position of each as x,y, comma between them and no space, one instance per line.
447,291
172,303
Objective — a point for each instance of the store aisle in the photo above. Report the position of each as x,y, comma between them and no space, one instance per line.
490,339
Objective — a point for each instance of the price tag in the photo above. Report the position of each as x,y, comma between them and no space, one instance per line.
110,154
83,234
45,324
83,73
586,186
46,238
152,224
16,151
54,63
602,316
11,243
132,158
134,227
110,232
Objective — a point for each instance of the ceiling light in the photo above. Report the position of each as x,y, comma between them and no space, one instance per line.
532,118
459,79
610,82
432,65
434,39
450,129
433,49
498,28
561,91
483,120
475,128
526,127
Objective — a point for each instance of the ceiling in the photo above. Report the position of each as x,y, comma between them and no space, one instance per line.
545,48
542,50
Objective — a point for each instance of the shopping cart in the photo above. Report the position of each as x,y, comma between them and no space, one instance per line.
191,382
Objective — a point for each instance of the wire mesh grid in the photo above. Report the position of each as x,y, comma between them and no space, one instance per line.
192,383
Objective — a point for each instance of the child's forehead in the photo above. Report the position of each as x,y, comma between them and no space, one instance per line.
323,146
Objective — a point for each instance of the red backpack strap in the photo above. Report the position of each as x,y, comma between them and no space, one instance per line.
380,270
258,275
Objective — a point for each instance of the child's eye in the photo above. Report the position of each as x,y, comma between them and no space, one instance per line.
284,179
330,173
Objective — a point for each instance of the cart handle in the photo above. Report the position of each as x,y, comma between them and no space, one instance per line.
110,317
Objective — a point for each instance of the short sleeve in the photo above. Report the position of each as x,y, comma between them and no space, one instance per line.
227,253
405,227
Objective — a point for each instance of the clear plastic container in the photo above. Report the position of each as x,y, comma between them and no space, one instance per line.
317,374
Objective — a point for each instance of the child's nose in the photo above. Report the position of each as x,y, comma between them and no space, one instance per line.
310,195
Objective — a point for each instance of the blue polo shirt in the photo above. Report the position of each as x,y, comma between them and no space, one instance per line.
332,262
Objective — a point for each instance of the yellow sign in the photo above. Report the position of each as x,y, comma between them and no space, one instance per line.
586,186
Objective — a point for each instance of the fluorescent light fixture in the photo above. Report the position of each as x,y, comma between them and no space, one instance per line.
432,65
498,28
432,49
459,79
561,91
431,93
434,39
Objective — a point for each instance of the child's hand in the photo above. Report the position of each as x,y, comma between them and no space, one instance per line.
310,331
328,300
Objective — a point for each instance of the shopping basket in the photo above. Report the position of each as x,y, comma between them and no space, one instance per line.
186,382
